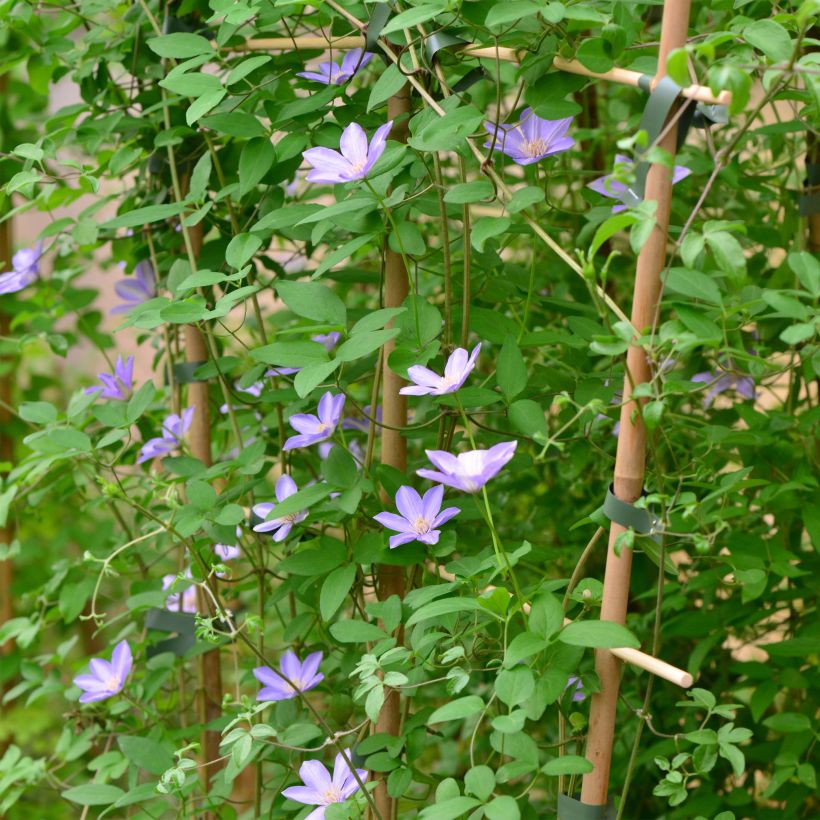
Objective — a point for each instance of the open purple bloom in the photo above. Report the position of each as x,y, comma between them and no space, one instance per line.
25,268
321,789
723,380
419,516
613,188
173,428
356,157
576,684
314,429
105,679
134,291
184,601
280,527
428,383
119,386
468,471
532,139
331,73
300,677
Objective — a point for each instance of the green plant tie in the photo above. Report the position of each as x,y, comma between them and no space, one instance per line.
181,623
571,809
630,516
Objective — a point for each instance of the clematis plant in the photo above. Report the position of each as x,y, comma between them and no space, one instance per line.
468,471
427,383
419,516
184,601
25,268
322,790
280,527
296,676
315,428
173,429
137,289
613,188
106,678
532,139
118,386
332,73
356,159
722,381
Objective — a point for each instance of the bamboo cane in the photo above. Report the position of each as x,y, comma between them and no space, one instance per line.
631,452
390,579
6,440
622,76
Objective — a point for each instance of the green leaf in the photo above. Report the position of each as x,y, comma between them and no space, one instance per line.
788,722
313,561
449,809
244,68
301,500
180,45
511,11
609,227
335,589
192,85
390,81
146,753
310,377
524,198
93,794
241,248
343,208
514,686
363,344
486,228
546,616
235,124
522,646
457,709
38,412
528,417
256,159
447,606
598,634
413,17
202,105
807,268
291,354
511,371
356,632
694,284
770,38
480,781
313,301
568,764
342,254
144,216
594,55
503,807
466,192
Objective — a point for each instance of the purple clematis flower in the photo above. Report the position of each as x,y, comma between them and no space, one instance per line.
331,73
25,268
314,429
227,552
137,290
302,677
106,679
173,428
723,380
419,516
254,390
613,188
468,471
187,597
575,683
280,527
356,159
532,139
321,789
119,386
428,383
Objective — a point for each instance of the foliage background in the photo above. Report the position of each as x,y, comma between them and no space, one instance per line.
735,482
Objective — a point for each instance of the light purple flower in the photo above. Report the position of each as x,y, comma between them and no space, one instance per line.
173,428
724,380
320,789
25,268
254,390
419,516
300,677
188,595
363,424
331,73
578,693
119,386
106,679
227,552
613,188
355,160
468,471
532,139
314,429
280,527
428,383
140,289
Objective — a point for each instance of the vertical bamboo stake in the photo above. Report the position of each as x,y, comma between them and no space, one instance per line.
631,452
200,437
390,579
6,440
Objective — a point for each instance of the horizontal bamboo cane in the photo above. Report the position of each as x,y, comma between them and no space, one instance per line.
622,76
